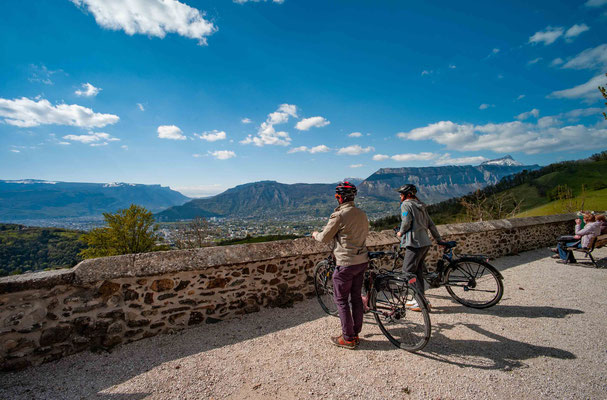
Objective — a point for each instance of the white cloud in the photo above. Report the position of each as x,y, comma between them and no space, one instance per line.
170,132
92,138
312,122
589,59
267,134
212,136
496,50
446,159
200,191
576,30
40,73
15,151
586,90
556,61
140,106
246,121
150,17
26,113
423,156
426,72
355,134
533,113
452,66
312,150
88,90
511,137
595,3
124,146
535,61
223,154
547,36
354,150
356,165
574,115
546,122
319,149
299,149
485,106
380,157
520,97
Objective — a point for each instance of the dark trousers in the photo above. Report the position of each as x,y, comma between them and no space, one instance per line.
413,264
567,254
347,285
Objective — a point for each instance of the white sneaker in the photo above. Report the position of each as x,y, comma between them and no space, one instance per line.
413,306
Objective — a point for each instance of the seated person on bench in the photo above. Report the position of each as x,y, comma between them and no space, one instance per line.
591,229
603,221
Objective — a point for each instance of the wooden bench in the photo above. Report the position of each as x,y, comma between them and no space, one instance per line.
595,243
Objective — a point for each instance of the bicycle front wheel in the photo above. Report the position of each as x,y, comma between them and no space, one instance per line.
474,283
323,285
391,302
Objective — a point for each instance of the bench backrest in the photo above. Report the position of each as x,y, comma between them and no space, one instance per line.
600,241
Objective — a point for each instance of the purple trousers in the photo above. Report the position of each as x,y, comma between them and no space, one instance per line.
347,285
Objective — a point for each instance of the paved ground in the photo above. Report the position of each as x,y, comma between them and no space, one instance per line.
546,339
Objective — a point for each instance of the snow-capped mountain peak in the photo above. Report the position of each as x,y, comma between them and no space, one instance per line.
506,160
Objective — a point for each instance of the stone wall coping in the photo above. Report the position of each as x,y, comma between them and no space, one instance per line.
157,263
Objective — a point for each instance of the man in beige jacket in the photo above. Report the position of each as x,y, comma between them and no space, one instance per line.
347,229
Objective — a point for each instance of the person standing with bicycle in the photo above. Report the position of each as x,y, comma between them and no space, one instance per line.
413,233
347,228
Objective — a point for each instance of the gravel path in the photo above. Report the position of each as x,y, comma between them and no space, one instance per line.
546,339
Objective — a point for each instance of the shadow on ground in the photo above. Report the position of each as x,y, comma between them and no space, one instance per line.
494,351
102,371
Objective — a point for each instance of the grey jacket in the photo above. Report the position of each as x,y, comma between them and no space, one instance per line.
415,224
591,230
347,228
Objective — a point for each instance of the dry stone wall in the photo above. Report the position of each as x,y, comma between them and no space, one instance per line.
105,302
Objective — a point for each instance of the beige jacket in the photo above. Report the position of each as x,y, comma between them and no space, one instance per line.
347,228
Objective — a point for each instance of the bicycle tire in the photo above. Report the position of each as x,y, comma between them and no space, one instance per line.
406,329
474,283
323,286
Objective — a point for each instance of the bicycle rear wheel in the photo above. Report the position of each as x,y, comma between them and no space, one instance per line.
406,329
474,283
323,285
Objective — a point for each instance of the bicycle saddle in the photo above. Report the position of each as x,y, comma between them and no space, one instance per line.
377,254
448,245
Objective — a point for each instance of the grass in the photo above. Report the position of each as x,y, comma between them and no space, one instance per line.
594,200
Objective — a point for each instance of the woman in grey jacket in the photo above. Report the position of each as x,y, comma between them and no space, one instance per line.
414,237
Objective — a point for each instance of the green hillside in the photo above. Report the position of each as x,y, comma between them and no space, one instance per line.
557,188
34,249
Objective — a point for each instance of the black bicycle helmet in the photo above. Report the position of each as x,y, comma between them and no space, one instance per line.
346,190
406,189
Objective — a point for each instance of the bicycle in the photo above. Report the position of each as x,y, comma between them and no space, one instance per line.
468,278
386,296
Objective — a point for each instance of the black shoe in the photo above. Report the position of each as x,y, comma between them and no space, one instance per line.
563,261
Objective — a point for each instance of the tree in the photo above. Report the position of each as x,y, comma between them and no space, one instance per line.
604,93
480,207
130,230
194,234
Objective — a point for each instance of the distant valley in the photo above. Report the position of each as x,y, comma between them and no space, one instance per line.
28,200
377,196
37,199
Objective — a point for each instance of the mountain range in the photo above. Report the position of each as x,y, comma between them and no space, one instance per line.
33,199
377,196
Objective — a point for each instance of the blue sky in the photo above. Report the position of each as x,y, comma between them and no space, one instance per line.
204,95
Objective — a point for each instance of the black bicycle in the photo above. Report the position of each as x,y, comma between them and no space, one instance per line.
388,295
469,278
